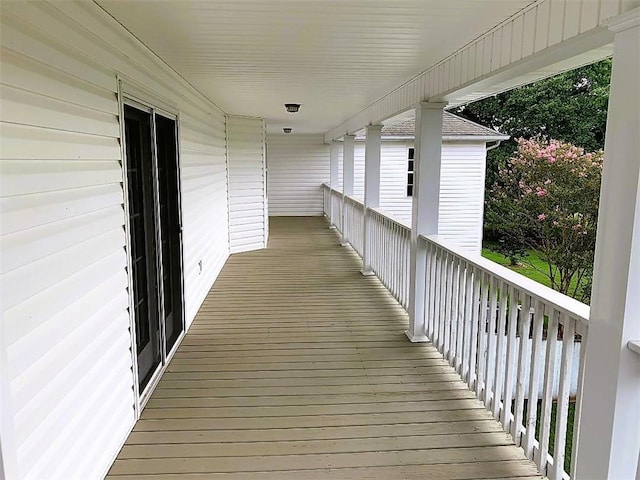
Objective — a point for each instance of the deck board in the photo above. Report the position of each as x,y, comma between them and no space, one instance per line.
296,367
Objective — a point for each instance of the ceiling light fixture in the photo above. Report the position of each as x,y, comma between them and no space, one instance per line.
292,107
286,130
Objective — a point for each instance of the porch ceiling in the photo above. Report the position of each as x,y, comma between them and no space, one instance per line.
335,57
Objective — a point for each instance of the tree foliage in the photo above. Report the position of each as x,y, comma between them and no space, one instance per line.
570,107
546,198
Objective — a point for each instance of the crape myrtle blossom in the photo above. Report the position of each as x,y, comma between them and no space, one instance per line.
547,196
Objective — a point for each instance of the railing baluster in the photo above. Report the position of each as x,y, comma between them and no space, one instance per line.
534,375
453,312
500,354
471,312
446,318
548,390
562,410
481,300
394,265
577,418
460,317
510,373
524,359
428,288
489,392
439,290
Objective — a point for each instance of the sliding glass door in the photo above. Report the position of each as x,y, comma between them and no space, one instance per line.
155,235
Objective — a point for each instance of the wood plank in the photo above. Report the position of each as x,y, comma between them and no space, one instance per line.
307,447
311,433
399,382
310,390
519,469
354,372
304,421
300,410
315,461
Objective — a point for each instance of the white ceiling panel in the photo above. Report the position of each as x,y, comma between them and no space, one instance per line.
335,57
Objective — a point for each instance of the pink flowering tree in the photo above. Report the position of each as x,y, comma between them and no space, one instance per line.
546,199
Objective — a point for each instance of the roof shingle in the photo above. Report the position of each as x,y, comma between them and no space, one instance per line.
452,126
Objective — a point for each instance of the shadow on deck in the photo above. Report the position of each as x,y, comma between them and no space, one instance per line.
297,367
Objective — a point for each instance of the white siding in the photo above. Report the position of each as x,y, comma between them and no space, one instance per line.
297,166
67,382
393,177
247,204
461,193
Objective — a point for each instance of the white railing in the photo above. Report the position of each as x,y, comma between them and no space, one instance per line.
353,231
390,252
339,208
333,205
512,340
326,198
509,337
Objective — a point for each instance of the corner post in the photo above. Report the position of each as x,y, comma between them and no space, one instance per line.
371,189
426,204
608,443
333,177
348,146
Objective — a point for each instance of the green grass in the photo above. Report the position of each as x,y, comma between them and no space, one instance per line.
531,266
552,433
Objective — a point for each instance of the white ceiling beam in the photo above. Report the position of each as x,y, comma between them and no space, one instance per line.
546,38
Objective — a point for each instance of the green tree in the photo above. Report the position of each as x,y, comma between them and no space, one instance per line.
548,196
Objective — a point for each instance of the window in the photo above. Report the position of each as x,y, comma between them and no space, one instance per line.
411,154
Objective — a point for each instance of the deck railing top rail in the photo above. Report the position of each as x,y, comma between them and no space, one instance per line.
557,300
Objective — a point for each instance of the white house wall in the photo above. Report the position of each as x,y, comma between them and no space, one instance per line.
247,206
297,166
67,382
461,194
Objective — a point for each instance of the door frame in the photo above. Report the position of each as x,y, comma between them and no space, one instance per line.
134,95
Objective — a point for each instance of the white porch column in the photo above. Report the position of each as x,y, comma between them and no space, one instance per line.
333,175
609,429
348,149
371,188
426,204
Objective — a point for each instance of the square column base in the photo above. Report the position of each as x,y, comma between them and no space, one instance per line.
416,338
367,273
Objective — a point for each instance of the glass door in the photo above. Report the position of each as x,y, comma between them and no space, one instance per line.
153,185
142,227
170,227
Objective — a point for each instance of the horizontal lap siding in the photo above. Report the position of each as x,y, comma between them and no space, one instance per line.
247,214
297,166
203,176
393,180
462,194
67,382
461,189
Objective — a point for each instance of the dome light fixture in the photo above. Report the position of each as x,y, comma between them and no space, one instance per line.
292,107
287,130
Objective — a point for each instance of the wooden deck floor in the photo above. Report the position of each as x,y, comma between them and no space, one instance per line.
297,367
